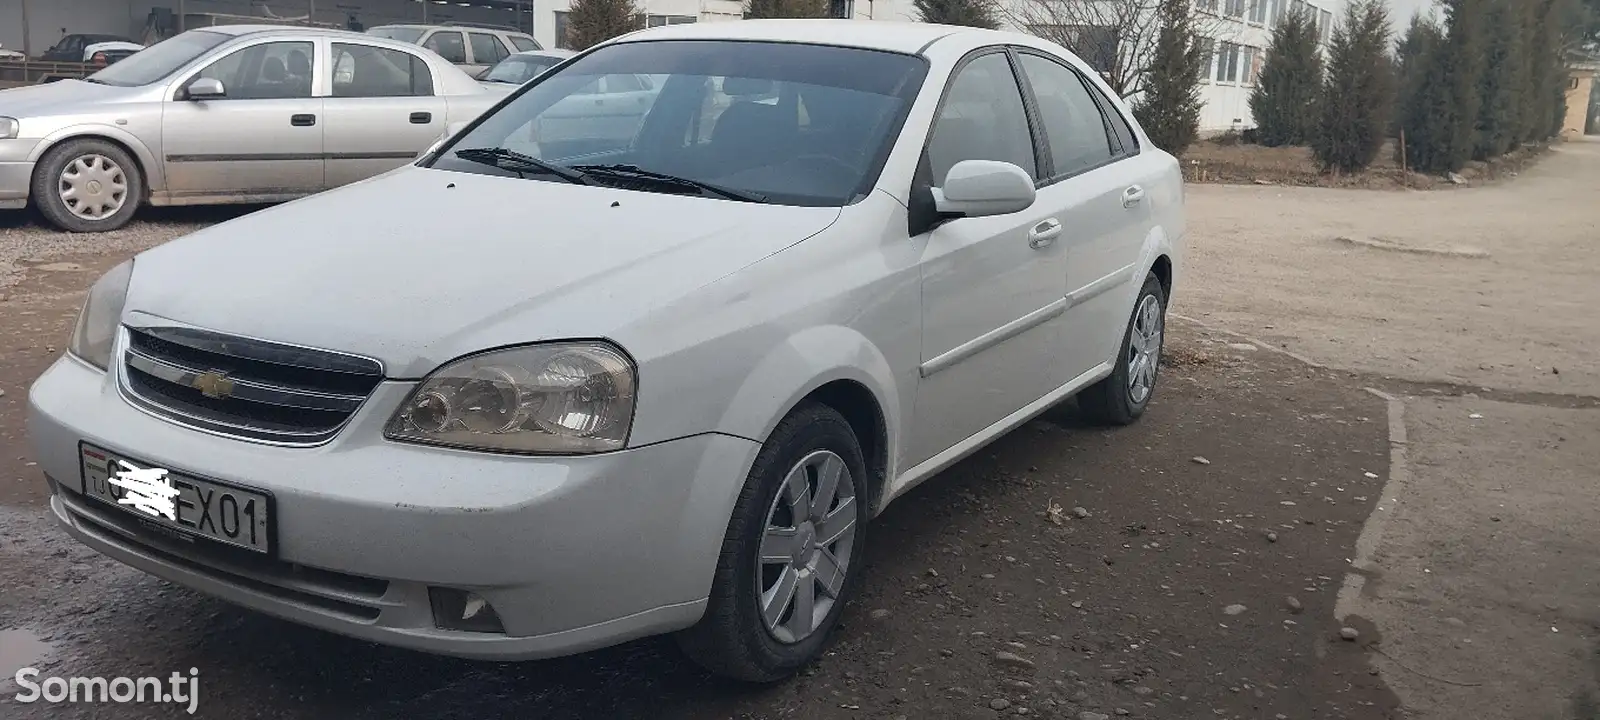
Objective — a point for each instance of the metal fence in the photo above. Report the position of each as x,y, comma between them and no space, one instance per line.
16,73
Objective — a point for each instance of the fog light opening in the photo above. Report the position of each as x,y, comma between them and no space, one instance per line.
463,610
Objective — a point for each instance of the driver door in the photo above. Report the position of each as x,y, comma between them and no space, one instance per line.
261,141
993,288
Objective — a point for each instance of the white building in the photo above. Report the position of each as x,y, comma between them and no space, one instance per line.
48,20
1239,32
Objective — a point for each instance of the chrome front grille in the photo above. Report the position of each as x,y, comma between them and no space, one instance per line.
243,387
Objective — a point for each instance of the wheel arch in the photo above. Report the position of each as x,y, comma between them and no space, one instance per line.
833,365
144,160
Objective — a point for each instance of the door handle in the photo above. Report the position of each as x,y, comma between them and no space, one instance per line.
421,118
1133,196
1044,234
303,120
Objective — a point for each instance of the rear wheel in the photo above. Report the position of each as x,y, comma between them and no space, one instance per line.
791,555
87,185
1122,397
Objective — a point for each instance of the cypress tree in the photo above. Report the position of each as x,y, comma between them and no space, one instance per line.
591,22
972,13
1426,105
1359,93
1504,94
1169,107
1409,68
1284,102
1464,66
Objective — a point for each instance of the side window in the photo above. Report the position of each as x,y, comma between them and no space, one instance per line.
487,49
449,45
1072,122
982,119
268,71
524,43
368,71
623,83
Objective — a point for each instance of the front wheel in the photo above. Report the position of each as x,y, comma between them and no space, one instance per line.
1122,397
791,555
87,185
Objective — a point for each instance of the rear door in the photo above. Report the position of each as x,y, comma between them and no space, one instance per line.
263,139
487,51
1095,182
382,110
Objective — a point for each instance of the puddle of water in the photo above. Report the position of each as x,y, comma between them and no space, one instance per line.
19,649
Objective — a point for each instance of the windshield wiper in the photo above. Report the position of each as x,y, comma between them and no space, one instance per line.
514,161
636,172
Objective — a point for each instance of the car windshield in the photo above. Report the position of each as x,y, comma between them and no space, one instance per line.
519,69
788,123
405,35
159,60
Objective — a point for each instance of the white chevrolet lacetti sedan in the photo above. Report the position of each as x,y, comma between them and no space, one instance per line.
566,381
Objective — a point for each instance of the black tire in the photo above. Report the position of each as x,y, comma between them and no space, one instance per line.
1111,401
47,182
732,640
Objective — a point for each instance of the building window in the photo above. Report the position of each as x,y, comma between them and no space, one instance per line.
1208,57
1279,7
561,30
1252,69
1228,63
659,20
1234,8
1259,11
1209,6
844,9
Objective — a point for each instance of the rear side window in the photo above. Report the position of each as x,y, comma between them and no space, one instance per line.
1072,121
367,71
524,43
449,45
487,49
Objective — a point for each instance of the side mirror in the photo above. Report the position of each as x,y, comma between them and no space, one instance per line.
979,188
205,89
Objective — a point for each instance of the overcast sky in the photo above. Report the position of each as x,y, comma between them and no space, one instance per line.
1400,11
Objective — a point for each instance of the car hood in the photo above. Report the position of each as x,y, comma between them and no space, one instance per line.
419,266
62,96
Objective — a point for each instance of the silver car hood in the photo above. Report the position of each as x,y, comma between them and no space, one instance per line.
63,97
419,266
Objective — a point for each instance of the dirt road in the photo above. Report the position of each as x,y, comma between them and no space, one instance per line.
1481,571
1452,527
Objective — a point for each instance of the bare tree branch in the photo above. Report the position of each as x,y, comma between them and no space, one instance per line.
1116,37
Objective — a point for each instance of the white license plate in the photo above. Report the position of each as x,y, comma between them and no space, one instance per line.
224,513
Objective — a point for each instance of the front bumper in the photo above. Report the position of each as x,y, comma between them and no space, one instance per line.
572,553
16,173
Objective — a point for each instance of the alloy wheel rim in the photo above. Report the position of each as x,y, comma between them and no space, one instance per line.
1144,349
806,546
93,187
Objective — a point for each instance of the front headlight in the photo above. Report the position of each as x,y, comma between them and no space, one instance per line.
557,398
100,317
8,128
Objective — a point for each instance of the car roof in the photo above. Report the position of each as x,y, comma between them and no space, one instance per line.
239,30
429,26
888,35
552,53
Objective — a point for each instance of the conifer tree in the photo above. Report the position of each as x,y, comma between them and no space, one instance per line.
1359,92
591,22
1169,108
1284,102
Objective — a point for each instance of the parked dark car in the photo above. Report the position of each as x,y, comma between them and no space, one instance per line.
70,48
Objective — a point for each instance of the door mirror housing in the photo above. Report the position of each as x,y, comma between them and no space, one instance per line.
980,188
205,89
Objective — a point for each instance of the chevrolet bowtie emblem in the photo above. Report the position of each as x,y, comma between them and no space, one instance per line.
213,384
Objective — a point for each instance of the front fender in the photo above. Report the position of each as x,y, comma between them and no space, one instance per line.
805,361
154,177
